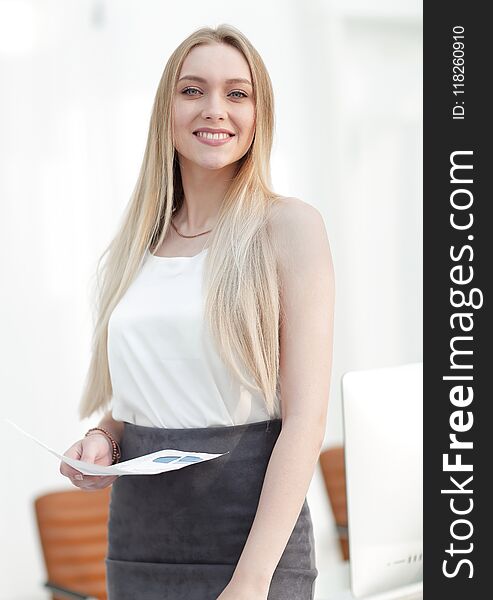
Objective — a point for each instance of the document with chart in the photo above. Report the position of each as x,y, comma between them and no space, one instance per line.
149,464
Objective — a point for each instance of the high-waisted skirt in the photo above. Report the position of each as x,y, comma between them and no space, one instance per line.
179,535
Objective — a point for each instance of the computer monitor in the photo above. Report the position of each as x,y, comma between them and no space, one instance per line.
383,449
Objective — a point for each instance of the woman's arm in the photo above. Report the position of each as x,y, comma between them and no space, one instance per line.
114,427
307,296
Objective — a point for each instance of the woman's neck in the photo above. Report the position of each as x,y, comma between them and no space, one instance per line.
204,191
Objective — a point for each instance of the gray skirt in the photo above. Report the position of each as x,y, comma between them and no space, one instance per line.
179,535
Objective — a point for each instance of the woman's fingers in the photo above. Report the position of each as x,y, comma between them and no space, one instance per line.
75,452
68,471
95,450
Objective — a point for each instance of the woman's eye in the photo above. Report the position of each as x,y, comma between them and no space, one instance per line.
190,89
243,95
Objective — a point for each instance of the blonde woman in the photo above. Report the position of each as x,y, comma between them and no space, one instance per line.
213,334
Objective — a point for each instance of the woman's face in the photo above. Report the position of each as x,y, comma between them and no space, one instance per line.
214,93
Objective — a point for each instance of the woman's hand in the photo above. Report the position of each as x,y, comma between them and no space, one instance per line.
95,449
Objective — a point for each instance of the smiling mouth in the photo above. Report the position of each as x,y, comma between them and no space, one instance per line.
212,136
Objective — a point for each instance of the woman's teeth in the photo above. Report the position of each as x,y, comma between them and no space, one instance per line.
212,136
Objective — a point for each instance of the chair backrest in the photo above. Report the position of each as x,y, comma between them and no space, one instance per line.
73,531
333,471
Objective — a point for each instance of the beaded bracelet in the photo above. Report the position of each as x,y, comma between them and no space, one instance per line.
116,455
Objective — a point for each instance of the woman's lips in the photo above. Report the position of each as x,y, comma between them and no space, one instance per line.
211,142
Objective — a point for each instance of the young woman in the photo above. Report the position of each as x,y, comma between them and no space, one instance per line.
213,334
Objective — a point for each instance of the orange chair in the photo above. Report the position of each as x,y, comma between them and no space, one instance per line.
73,532
334,474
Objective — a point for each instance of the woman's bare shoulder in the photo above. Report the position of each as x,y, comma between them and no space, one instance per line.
288,211
294,223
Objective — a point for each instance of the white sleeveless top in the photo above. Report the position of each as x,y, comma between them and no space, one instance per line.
164,369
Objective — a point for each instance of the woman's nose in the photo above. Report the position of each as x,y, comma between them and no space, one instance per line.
214,107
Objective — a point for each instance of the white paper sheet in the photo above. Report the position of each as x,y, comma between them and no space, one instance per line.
149,464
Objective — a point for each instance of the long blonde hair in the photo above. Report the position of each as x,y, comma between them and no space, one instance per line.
242,305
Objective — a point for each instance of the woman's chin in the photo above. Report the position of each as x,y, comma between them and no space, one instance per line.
213,164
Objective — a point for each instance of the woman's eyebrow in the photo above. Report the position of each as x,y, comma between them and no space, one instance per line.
202,80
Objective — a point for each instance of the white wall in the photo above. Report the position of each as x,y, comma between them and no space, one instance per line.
77,83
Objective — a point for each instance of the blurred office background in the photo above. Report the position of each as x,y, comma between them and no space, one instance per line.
78,79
